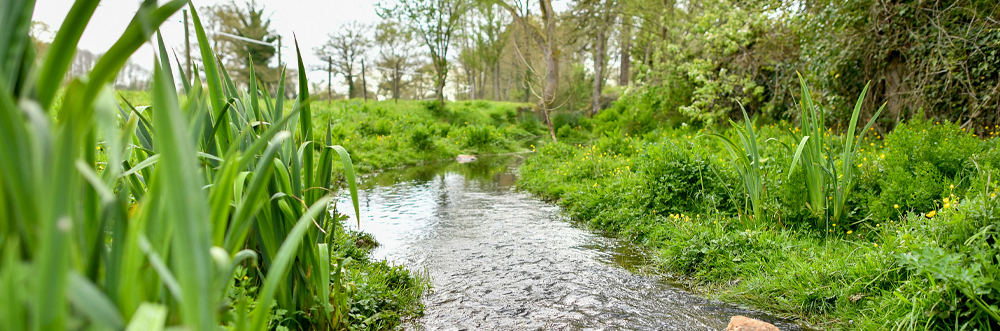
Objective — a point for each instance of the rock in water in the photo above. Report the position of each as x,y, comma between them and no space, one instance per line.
741,323
465,158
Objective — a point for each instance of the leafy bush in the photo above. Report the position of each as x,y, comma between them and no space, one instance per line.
952,258
570,134
679,180
422,137
481,136
436,108
380,126
922,163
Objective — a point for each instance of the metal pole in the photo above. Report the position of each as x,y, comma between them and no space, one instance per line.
187,43
364,85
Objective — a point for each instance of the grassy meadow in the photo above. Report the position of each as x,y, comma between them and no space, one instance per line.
390,134
906,242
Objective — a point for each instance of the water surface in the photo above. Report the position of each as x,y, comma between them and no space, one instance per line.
499,259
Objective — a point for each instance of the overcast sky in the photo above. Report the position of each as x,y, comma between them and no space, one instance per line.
311,21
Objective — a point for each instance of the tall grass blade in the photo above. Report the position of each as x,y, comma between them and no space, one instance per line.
184,205
211,78
138,32
352,184
62,50
15,44
282,261
149,317
305,117
89,299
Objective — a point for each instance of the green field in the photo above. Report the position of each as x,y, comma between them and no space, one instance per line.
386,134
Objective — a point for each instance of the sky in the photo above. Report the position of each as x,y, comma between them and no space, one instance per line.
310,21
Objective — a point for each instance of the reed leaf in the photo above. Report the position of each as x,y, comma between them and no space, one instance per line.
282,262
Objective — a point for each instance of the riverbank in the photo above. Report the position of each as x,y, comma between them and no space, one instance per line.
914,250
380,294
370,293
389,134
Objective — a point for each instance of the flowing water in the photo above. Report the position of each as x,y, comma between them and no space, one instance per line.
499,259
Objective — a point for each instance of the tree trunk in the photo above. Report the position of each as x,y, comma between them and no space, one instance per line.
895,86
496,82
442,76
599,54
351,90
626,47
551,52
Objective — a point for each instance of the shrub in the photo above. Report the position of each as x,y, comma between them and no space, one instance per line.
436,108
922,163
952,260
379,127
481,136
421,137
571,134
681,181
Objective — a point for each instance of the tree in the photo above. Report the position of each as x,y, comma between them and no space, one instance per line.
396,55
597,14
485,39
625,47
435,22
248,22
546,39
344,51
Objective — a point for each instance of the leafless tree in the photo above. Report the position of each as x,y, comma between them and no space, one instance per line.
344,51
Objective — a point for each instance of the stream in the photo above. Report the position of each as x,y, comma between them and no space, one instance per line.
499,259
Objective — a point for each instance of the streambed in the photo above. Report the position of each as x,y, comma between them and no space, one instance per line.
499,259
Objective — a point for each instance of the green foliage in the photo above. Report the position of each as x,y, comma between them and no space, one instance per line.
748,162
140,215
680,180
419,131
839,173
671,191
951,258
421,138
701,59
922,164
480,136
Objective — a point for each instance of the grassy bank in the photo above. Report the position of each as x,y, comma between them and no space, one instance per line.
386,134
389,134
914,250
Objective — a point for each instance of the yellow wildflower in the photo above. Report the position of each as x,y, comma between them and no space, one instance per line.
931,214
895,206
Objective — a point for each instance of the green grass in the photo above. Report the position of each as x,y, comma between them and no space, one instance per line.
676,192
416,132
